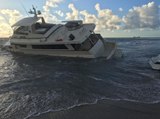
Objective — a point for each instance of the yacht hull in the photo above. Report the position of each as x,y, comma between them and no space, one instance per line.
106,50
60,53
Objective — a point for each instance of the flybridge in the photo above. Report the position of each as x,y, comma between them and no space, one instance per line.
27,21
30,20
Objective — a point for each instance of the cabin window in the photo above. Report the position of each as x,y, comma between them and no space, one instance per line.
72,25
22,46
49,47
157,63
87,44
39,28
22,30
76,46
19,45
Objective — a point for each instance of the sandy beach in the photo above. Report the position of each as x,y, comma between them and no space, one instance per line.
107,109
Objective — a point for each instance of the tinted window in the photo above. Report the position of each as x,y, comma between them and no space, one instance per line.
49,47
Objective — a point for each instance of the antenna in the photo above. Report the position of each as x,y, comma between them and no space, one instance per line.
34,11
24,7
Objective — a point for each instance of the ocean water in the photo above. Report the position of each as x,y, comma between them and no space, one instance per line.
32,85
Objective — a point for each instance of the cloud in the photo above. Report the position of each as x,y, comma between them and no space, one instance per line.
51,4
104,19
146,16
88,18
50,17
7,18
1,18
103,12
10,15
60,13
140,17
74,15
5,30
120,9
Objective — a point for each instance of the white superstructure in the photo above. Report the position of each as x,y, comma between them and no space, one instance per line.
32,35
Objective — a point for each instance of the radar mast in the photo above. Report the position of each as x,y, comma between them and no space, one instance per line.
35,12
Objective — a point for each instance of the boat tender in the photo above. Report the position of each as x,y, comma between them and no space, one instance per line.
32,35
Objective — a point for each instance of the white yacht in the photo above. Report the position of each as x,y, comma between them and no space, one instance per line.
155,62
32,35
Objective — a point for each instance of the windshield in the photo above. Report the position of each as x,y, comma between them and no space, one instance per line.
21,29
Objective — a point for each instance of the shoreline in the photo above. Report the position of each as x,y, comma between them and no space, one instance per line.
106,109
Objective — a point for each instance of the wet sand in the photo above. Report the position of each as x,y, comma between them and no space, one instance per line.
107,109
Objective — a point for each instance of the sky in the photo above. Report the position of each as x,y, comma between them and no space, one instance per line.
113,18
